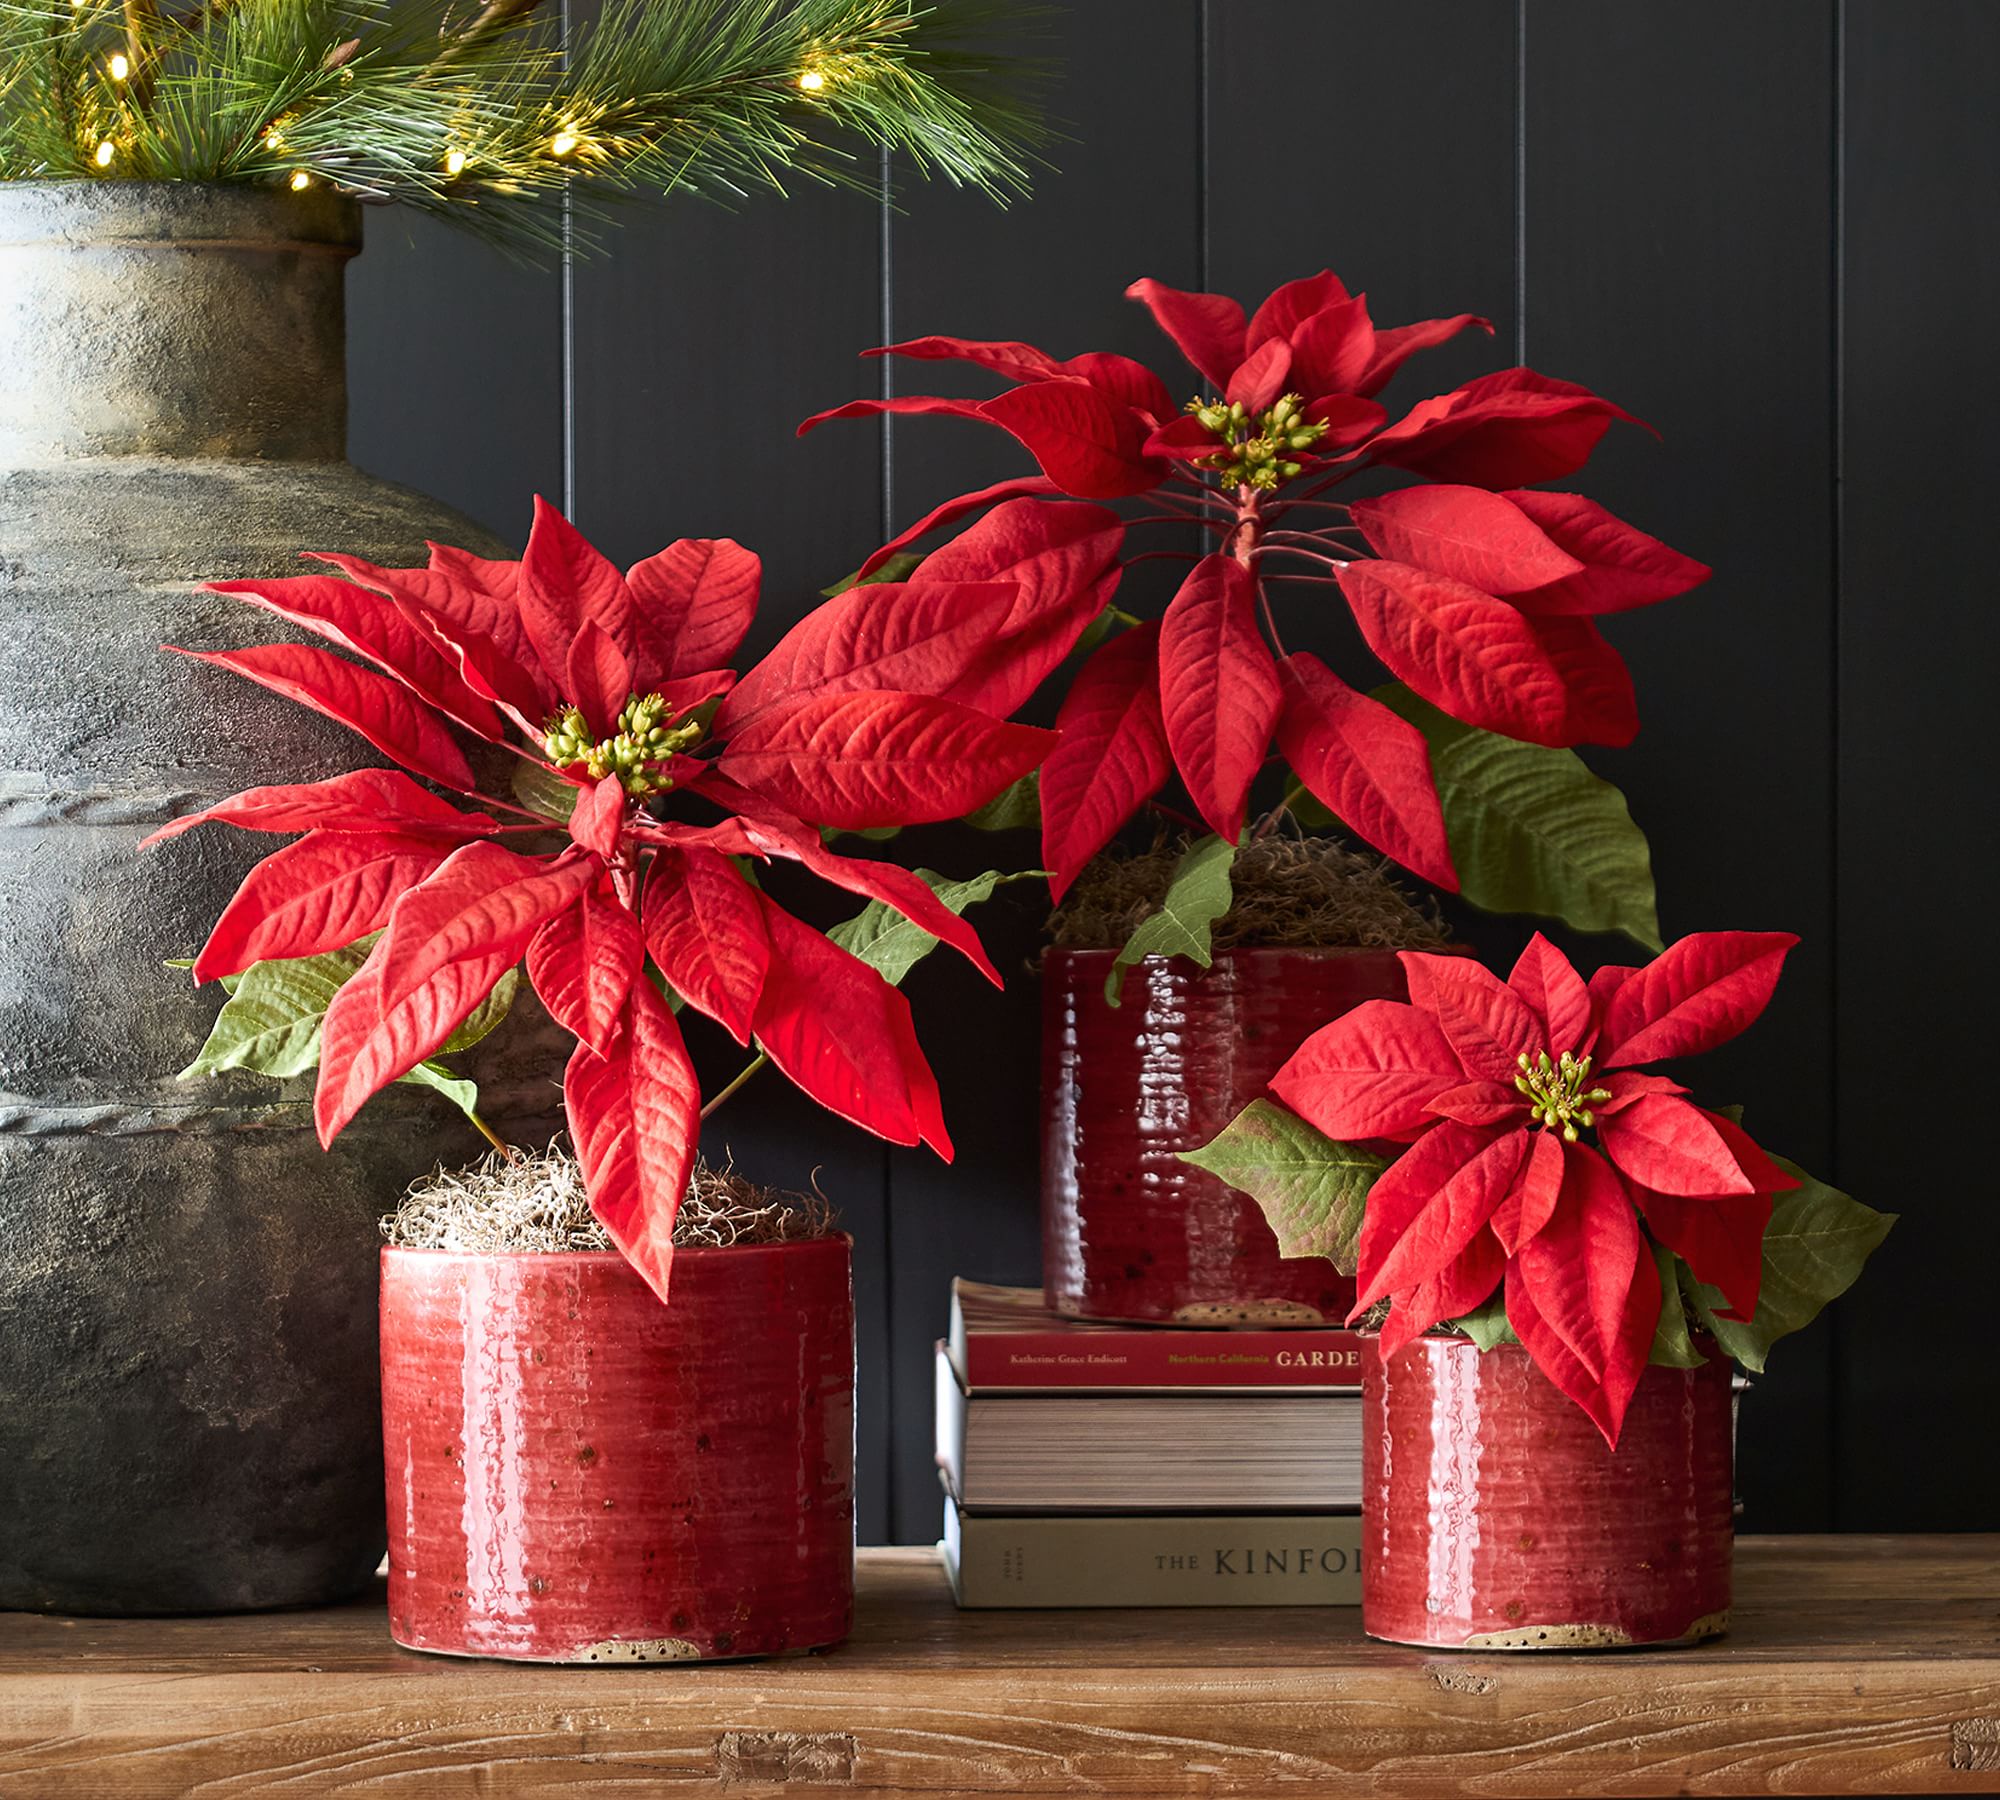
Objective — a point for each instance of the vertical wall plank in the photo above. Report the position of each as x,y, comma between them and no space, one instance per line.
1917,868
1403,181
1678,243
1122,203
699,341
1406,193
455,370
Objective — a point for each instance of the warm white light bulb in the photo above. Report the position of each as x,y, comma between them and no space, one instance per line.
105,152
454,162
121,66
300,181
812,81
562,143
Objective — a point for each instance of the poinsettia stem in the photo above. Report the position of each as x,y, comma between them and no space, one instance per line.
1270,821
1162,556
1322,539
1270,620
742,1075
492,1137
1203,502
1181,519
1175,814
1331,481
1331,562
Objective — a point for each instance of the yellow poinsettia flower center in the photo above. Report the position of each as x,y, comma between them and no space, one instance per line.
1259,446
634,752
1557,1096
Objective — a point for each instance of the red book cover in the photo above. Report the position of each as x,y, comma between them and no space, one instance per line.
1003,1337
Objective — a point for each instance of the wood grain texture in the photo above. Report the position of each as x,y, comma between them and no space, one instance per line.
1858,1665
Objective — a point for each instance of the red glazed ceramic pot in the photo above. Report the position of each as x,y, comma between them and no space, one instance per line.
1494,1517
578,1473
1129,1231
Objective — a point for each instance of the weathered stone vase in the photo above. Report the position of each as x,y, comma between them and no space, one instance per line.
188,1384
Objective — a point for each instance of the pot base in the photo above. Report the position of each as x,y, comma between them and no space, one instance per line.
1570,1637
622,1651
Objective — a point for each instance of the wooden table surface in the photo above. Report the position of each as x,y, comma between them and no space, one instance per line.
1857,1665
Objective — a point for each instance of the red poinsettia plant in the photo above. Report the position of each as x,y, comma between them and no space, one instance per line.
1478,588
1547,1173
649,781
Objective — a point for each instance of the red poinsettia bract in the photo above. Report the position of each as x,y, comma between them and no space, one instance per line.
1475,588
881,708
1494,1086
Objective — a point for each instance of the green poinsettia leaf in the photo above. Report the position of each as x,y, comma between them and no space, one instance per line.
894,568
1310,812
542,791
875,834
1016,807
1673,1348
1814,1247
1198,894
462,1093
485,1018
1098,630
1487,1325
1310,1187
270,1023
893,946
1532,830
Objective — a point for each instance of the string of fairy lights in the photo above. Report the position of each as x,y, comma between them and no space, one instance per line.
502,121
815,79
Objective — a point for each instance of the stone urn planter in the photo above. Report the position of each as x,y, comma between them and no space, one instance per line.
187,1287
579,1474
1129,1231
1494,1516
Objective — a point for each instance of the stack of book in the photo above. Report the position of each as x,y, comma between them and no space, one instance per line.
1088,1464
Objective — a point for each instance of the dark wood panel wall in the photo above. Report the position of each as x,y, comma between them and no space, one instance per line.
1768,230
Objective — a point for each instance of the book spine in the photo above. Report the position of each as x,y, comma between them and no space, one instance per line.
1165,1359
1259,1559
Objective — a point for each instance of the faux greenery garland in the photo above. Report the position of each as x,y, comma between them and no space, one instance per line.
487,117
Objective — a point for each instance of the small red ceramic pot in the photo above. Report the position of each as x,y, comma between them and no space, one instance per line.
578,1473
1494,1516
1129,1231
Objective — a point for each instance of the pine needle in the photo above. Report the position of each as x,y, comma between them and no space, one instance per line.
485,118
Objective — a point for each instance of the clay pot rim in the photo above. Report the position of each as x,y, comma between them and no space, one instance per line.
1232,951
843,1240
83,213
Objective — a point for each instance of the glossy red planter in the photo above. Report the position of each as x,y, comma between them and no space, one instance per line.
579,1474
1129,1231
1495,1518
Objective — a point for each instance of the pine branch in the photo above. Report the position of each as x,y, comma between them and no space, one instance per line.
490,127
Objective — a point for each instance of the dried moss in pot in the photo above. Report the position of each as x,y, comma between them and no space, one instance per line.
1286,891
509,1205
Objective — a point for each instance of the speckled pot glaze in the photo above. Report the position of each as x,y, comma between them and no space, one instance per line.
1129,1231
1494,1517
578,1473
